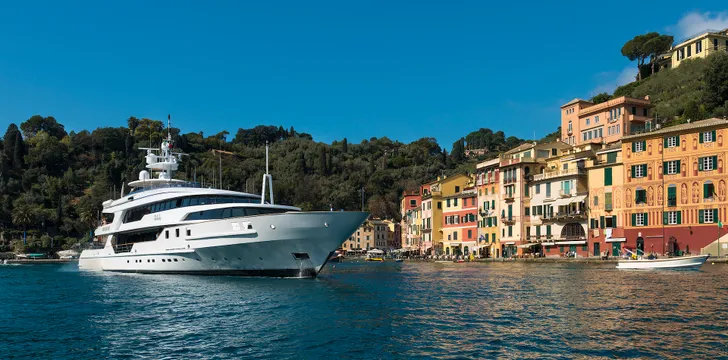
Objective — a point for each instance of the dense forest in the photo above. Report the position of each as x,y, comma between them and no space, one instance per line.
53,181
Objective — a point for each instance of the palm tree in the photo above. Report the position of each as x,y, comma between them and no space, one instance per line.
23,215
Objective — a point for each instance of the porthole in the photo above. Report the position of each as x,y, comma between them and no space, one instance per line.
127,261
175,260
162,260
148,260
152,260
169,260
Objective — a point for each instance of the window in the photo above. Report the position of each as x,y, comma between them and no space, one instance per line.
538,188
583,135
457,189
640,219
638,146
455,235
189,232
587,121
510,230
707,163
413,203
439,205
569,125
596,200
470,234
715,44
644,112
607,176
448,203
672,218
548,190
640,196
617,129
707,216
698,47
639,171
166,234
455,202
608,200
601,132
176,232
708,136
671,141
596,119
634,110
611,158
671,167
672,195
528,211
708,190
690,48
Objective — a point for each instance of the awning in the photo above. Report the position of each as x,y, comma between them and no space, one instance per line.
509,243
616,240
524,246
575,242
577,199
559,202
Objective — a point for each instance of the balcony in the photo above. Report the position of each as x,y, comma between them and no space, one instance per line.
576,215
566,193
507,196
508,219
638,118
547,217
559,173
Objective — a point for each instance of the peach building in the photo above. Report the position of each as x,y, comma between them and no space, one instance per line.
583,122
459,223
700,45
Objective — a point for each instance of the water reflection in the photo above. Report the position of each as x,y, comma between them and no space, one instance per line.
371,310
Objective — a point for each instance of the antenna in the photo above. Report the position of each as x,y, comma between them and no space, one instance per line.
267,179
169,126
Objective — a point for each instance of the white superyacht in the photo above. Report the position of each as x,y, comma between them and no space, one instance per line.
169,226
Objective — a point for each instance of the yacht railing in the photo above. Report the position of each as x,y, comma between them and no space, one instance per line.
186,184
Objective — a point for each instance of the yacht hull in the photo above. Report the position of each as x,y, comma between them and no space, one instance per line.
294,244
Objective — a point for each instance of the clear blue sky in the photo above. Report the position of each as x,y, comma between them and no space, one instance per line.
333,69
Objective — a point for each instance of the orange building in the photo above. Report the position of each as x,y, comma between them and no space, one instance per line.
675,187
460,222
584,122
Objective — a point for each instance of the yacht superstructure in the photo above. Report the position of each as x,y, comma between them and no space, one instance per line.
172,226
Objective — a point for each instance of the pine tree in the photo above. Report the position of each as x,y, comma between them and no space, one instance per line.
18,151
345,145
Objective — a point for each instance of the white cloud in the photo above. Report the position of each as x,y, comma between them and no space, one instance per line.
695,22
610,80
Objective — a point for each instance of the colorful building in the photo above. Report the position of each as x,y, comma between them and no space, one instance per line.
411,212
394,235
583,122
487,183
460,224
700,45
362,239
432,201
675,187
606,207
517,167
558,212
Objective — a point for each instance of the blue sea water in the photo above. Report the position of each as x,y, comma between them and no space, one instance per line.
368,311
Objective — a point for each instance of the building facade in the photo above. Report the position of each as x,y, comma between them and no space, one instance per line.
675,187
410,208
487,183
432,200
558,213
606,214
700,46
362,239
460,229
583,122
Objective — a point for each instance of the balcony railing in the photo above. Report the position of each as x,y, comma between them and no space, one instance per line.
638,118
570,215
559,173
566,192
508,196
508,219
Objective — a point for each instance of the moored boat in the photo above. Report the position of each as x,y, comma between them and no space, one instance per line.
683,262
375,255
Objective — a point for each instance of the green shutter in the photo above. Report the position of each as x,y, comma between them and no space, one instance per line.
634,147
607,176
614,221
664,167
677,140
715,162
634,219
646,220
538,230
601,222
679,217
678,166
700,217
548,230
705,191
714,138
701,137
664,218
644,170
633,167
700,164
715,216
664,142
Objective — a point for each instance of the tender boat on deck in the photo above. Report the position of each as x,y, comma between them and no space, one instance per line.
683,262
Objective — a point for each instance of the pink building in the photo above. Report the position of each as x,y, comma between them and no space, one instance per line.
584,122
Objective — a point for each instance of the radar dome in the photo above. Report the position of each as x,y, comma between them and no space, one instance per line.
143,175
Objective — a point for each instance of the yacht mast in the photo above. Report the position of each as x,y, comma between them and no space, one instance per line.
267,179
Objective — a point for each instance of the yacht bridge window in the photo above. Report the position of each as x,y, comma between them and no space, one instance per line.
232,212
136,214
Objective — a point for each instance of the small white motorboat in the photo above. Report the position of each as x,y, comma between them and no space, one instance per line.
682,262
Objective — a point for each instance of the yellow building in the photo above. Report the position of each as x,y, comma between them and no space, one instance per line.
362,239
606,213
488,208
675,187
700,46
432,205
